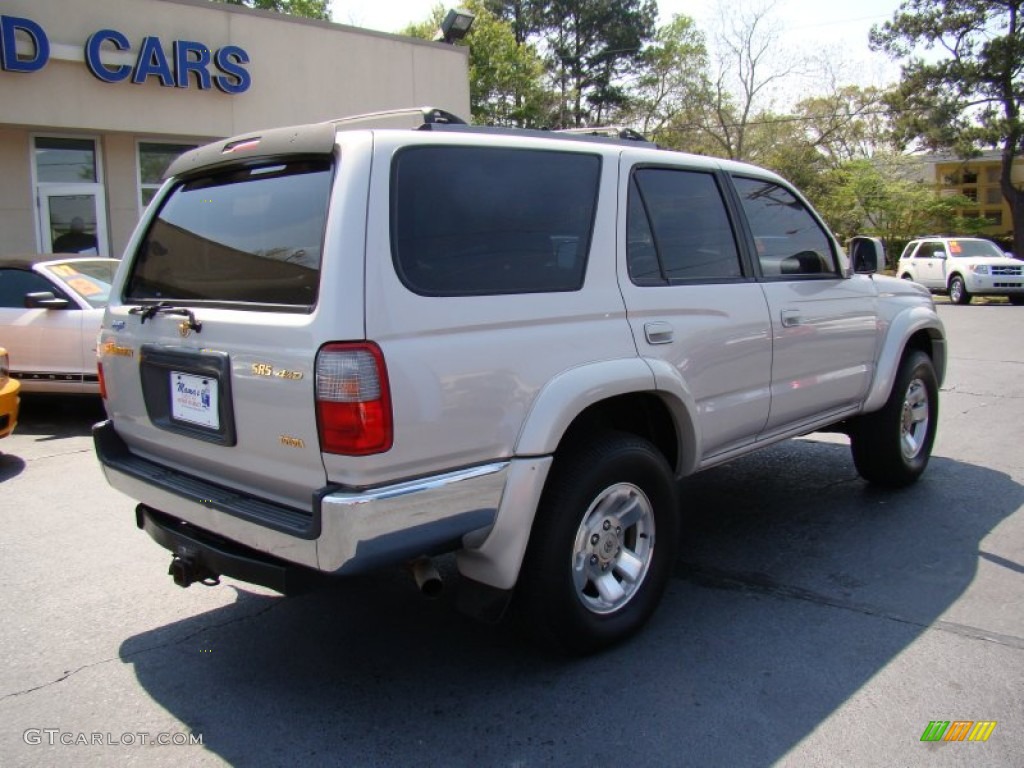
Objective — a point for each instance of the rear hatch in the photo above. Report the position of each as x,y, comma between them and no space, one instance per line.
208,347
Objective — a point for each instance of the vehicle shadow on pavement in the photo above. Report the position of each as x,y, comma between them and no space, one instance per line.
796,585
54,417
10,466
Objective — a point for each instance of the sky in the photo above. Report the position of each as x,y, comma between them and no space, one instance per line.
807,25
840,26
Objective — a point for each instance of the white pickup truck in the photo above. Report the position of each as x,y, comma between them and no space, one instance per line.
963,267
341,346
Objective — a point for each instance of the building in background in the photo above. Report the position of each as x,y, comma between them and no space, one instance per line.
977,179
96,99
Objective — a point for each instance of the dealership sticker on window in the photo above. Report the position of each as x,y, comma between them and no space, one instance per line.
84,286
194,399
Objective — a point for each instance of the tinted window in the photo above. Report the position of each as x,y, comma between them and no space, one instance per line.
789,240
930,251
477,221
678,228
251,235
15,283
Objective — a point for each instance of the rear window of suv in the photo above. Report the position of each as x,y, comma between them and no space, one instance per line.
471,221
245,236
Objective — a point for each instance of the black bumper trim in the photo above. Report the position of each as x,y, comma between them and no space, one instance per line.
115,454
223,557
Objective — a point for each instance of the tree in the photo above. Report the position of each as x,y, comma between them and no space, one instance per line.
591,44
506,78
885,197
526,17
847,123
671,78
749,68
310,9
971,96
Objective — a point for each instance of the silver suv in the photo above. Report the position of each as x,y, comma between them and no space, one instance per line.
341,346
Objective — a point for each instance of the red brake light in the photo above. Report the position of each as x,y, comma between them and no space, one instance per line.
103,383
353,402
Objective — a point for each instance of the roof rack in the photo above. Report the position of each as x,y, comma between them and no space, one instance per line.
415,117
541,133
608,131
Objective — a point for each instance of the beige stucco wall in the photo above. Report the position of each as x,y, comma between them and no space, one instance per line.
16,200
301,71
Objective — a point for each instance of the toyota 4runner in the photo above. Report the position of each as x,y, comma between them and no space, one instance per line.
340,346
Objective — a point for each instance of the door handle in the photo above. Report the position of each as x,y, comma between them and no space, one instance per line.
658,333
790,318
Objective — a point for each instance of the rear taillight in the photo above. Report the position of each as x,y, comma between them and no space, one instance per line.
353,403
103,383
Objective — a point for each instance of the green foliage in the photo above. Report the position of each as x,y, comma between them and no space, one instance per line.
590,45
671,78
310,9
525,17
971,96
885,197
505,77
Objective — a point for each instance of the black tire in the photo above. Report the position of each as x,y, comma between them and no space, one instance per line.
1017,300
603,544
891,447
958,291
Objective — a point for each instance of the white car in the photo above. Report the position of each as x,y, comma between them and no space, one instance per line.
963,267
50,312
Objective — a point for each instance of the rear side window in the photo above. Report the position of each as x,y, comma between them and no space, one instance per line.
678,229
471,221
789,240
249,236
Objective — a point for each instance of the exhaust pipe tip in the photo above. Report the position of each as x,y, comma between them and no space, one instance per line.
427,579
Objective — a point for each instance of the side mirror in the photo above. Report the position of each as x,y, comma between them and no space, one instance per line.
45,300
867,254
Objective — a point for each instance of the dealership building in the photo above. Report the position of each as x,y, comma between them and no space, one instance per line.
96,99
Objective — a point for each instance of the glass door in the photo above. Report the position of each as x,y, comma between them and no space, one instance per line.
69,189
72,218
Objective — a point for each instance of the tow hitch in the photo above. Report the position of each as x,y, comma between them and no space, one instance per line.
185,571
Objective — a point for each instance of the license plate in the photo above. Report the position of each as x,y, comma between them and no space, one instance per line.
194,399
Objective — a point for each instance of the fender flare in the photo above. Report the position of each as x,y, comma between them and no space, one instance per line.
571,392
901,328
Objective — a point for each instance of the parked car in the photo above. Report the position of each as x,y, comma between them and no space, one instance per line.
963,267
340,346
8,397
51,306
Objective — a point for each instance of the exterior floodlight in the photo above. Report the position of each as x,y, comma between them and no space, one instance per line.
455,26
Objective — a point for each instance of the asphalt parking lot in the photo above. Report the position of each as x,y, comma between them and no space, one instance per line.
812,621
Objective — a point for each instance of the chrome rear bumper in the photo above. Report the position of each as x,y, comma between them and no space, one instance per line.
343,530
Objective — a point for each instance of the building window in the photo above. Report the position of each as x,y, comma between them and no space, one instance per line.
65,161
154,159
994,218
971,194
993,196
970,176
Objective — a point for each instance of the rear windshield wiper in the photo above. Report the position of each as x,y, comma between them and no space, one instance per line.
149,311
